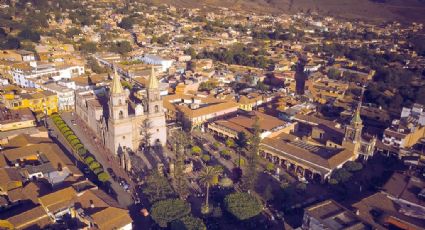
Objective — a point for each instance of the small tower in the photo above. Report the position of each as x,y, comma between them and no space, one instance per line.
118,108
353,131
154,97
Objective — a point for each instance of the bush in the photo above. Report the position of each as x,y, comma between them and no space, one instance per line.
242,205
206,157
166,211
196,150
88,160
103,176
61,125
94,165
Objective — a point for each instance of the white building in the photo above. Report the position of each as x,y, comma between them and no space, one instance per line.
66,98
156,60
34,74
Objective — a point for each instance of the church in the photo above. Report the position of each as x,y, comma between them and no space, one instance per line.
124,120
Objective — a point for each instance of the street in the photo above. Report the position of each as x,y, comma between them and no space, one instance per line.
124,198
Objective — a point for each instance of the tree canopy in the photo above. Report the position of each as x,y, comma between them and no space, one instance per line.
188,222
166,211
242,205
157,187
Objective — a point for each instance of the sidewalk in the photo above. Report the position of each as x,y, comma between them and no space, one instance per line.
103,156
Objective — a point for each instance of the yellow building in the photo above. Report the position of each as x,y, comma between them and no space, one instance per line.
39,102
16,119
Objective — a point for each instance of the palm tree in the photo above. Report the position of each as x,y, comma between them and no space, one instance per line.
208,177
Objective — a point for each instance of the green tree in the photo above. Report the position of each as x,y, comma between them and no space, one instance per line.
188,222
206,158
70,33
241,140
103,176
28,34
88,47
230,143
94,65
157,187
166,211
249,178
11,43
126,23
94,165
242,205
190,51
122,47
88,160
196,150
206,178
334,73
180,141
353,166
341,175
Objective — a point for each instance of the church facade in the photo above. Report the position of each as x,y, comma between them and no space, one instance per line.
124,120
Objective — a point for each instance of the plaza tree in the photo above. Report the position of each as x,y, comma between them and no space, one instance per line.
157,187
188,222
230,143
166,211
196,150
208,177
249,177
146,134
181,142
242,205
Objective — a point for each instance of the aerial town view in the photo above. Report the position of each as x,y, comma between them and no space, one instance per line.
212,114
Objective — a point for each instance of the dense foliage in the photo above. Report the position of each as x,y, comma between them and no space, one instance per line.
238,54
166,211
188,222
242,205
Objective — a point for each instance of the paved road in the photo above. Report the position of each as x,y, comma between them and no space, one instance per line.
124,198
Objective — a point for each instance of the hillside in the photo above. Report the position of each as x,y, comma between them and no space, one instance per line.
377,10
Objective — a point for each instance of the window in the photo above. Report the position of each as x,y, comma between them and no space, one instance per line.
121,114
156,108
